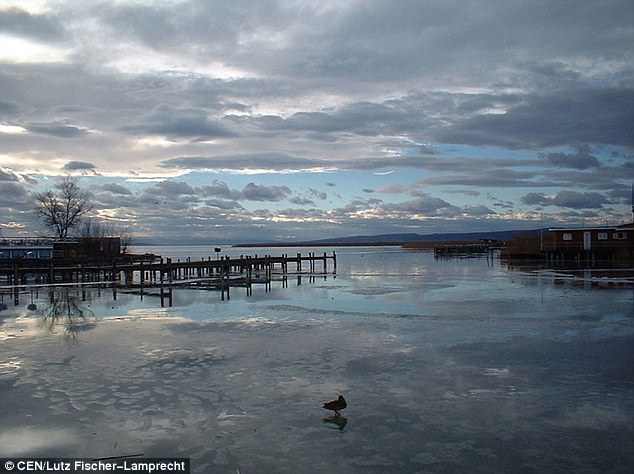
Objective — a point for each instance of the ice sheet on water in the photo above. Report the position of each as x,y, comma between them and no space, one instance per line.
493,372
18,441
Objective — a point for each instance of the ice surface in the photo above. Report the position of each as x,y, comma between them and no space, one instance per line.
447,367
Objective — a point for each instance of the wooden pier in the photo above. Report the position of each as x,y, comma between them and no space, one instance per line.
220,273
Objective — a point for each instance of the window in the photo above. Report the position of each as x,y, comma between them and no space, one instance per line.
567,236
602,236
619,235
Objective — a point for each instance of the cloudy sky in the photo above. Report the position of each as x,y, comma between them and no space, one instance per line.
269,120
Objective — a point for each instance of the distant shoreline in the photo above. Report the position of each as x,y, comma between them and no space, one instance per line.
334,244
382,240
280,245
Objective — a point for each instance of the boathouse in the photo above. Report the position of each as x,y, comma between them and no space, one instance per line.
41,248
26,248
589,243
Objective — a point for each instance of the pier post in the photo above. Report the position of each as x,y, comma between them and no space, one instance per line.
16,281
114,280
161,280
249,275
141,278
114,272
82,276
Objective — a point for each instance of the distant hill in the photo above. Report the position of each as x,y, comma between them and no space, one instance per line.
398,239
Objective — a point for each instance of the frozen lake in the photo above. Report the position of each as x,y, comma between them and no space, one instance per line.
447,366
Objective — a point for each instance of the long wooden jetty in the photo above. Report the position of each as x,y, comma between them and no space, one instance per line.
209,273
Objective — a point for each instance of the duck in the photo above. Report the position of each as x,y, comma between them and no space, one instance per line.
336,405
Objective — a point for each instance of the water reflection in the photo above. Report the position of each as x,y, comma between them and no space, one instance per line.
336,422
65,308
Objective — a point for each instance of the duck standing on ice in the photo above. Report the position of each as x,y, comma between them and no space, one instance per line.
336,405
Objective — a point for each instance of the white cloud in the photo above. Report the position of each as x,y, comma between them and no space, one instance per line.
12,129
22,51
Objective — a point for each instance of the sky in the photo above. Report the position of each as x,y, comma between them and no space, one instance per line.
215,121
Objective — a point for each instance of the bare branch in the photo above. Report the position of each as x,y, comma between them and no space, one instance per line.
63,211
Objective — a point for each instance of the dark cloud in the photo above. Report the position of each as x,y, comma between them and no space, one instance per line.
563,117
9,175
116,189
478,211
18,22
257,192
21,177
536,199
497,178
170,189
274,161
180,124
559,118
282,162
82,166
373,40
581,160
621,193
425,205
223,204
301,201
466,192
394,189
362,118
14,197
220,189
251,192
7,108
317,193
56,129
569,199
196,28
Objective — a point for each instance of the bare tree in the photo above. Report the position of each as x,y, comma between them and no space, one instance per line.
126,239
93,228
62,211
